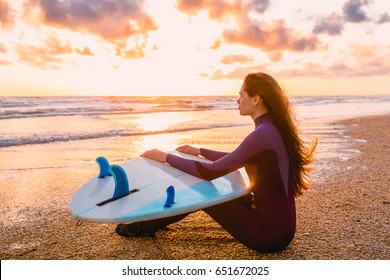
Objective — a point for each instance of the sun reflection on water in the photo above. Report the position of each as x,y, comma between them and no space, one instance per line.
163,142
161,121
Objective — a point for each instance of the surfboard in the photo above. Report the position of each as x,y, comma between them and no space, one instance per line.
143,189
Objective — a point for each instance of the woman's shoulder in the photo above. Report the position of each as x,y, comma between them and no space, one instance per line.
266,131
267,127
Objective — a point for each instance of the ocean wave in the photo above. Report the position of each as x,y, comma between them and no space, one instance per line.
22,122
324,100
30,107
45,138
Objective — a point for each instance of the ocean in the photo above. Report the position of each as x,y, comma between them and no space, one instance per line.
39,120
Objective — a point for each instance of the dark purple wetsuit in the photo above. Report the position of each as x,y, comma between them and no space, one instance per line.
265,219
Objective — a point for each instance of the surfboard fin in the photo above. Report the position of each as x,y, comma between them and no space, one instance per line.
121,182
121,185
170,197
104,166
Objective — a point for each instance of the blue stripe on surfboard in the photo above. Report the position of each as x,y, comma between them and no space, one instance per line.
85,211
140,188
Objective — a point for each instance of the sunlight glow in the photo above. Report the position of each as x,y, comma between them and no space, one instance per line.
173,47
160,121
164,142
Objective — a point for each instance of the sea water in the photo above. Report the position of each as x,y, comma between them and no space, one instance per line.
37,120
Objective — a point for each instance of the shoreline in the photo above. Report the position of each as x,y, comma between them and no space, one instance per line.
345,215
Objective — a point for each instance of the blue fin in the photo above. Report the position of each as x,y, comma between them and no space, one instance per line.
121,182
170,197
104,167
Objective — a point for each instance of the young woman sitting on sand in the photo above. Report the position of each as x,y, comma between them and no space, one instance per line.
276,160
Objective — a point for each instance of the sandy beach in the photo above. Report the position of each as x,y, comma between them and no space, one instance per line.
345,215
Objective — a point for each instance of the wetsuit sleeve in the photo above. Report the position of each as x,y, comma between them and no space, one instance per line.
211,154
226,164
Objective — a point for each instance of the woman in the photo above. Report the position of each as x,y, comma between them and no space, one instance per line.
275,159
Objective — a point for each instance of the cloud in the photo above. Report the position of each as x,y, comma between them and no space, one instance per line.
238,73
353,11
259,6
273,38
370,56
238,58
222,9
364,61
217,9
331,25
84,51
6,14
3,48
4,62
115,21
191,7
45,56
275,56
216,45
137,51
109,19
383,18
270,37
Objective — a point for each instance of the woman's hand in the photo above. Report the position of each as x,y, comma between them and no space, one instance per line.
187,149
156,155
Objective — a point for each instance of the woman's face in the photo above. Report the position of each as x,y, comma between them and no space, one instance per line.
245,103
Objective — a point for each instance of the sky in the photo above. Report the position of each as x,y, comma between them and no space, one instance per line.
193,47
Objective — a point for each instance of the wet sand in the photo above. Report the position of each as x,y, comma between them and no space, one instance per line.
345,215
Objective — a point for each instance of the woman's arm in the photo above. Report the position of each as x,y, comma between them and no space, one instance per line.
224,165
209,154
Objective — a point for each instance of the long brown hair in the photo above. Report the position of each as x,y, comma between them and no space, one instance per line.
301,155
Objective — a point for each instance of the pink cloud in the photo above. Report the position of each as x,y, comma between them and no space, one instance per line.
3,48
216,45
84,51
273,37
217,9
6,14
270,37
109,19
114,21
365,61
238,73
46,55
230,59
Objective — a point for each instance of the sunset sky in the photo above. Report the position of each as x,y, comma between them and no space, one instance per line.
198,47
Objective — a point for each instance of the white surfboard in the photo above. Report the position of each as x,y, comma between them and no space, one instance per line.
155,190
